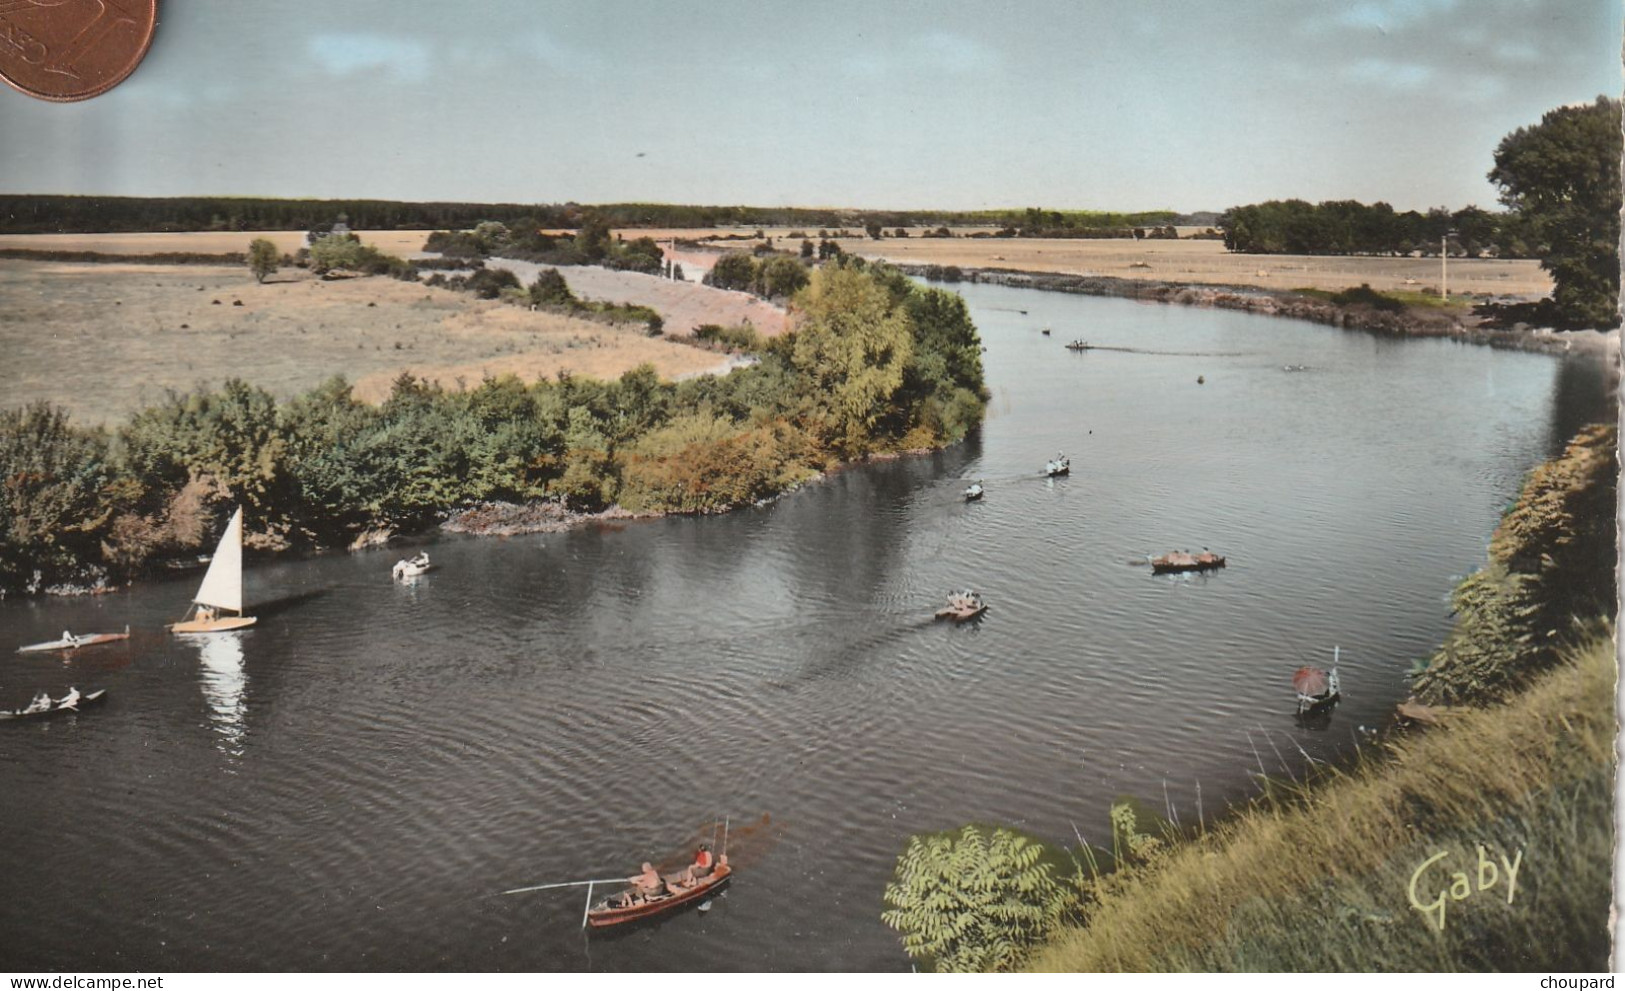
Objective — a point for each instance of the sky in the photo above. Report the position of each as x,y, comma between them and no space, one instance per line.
1063,104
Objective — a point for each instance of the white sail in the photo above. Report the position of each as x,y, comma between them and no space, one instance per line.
223,583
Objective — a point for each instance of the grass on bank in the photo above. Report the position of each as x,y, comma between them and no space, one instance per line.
1392,300
1322,883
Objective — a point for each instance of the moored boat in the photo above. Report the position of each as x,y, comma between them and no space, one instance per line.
962,606
631,904
1177,561
222,587
1317,690
71,702
412,567
69,641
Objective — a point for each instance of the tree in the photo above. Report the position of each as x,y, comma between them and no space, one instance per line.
262,258
973,901
550,289
853,343
336,251
735,270
874,230
1562,176
807,249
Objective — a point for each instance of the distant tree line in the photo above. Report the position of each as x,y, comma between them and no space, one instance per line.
592,244
28,213
1348,227
877,363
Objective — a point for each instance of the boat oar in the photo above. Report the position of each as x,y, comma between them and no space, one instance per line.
564,884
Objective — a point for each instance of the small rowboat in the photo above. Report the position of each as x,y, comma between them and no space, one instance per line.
1177,561
71,642
56,708
1317,690
962,606
1060,466
412,567
628,907
974,492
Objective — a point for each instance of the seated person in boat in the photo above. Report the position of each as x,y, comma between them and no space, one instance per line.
701,868
70,700
421,561
649,883
205,614
41,702
69,639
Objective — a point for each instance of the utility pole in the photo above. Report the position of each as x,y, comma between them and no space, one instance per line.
1444,255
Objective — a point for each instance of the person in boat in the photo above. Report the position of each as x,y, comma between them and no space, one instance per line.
205,614
649,883
703,864
421,560
70,700
41,702
69,639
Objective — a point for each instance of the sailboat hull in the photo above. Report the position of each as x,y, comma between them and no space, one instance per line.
220,625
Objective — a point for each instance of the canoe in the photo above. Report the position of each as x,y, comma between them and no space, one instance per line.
603,914
88,640
88,699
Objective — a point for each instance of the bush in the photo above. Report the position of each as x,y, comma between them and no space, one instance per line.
974,900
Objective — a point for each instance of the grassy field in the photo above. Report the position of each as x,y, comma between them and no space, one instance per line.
1351,878
1199,261
104,340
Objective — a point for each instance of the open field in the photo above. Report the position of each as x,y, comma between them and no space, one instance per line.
402,243
104,340
1197,261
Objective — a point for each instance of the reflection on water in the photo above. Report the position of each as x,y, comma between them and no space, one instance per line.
224,681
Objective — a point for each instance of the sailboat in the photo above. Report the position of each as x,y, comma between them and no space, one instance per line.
222,587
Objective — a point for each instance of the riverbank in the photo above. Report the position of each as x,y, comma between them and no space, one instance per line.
1351,870
1411,321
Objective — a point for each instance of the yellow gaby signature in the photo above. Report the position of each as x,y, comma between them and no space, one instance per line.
1461,886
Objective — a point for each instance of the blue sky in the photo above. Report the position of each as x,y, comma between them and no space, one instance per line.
964,105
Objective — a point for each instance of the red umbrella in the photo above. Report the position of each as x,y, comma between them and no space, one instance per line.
1310,681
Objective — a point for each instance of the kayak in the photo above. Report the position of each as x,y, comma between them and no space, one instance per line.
73,642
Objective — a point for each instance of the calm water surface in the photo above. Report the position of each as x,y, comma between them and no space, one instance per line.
350,783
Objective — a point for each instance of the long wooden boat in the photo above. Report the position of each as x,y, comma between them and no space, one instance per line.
606,914
71,642
56,709
1178,561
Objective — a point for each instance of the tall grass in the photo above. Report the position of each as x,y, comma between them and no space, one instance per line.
1319,881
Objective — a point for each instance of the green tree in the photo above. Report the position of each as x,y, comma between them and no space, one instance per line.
735,270
1562,176
874,229
550,289
853,343
52,505
262,258
972,900
336,251
781,276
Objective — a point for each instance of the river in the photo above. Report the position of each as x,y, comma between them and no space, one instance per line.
350,784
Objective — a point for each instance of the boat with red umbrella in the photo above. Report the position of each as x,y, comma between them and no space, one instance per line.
1318,690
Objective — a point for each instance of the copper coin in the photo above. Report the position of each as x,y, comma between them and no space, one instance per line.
73,49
